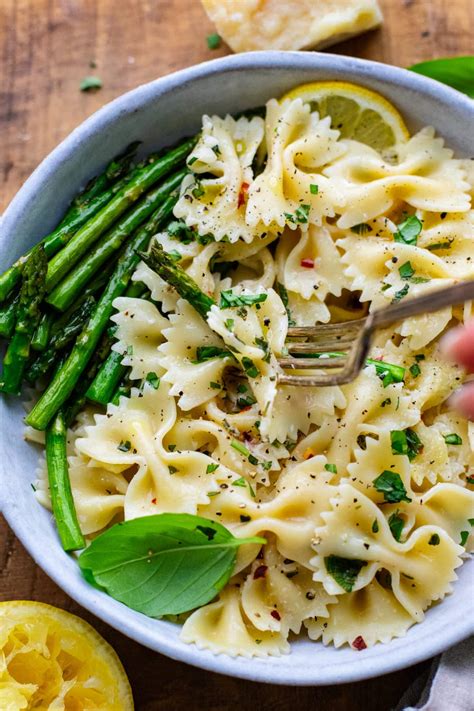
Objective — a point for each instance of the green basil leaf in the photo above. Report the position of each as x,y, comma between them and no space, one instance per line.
204,353
457,72
164,564
344,570
453,438
408,230
396,524
229,299
89,83
390,484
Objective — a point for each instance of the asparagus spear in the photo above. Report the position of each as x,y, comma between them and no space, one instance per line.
41,335
68,375
117,167
161,263
60,339
8,317
28,316
143,179
60,486
77,215
112,372
108,245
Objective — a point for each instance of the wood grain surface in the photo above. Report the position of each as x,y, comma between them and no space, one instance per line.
46,48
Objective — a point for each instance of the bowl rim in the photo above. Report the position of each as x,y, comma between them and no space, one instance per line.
369,664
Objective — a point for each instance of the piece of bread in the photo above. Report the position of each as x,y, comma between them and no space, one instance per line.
290,24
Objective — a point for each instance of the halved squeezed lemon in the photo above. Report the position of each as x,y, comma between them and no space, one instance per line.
357,112
50,659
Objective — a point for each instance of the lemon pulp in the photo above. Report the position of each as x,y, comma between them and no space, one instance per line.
51,659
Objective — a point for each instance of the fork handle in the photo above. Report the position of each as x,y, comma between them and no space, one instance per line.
427,303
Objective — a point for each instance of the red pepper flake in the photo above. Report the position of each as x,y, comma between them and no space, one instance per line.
275,614
359,643
260,572
246,408
153,501
307,263
243,194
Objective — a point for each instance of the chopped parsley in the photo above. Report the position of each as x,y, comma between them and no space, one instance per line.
211,468
229,299
314,189
250,368
90,83
153,379
331,468
216,386
283,294
213,41
125,446
415,370
396,524
408,230
406,442
400,294
172,469
440,245
464,537
452,438
434,540
178,229
344,570
390,484
229,324
240,482
300,215
406,270
204,353
375,526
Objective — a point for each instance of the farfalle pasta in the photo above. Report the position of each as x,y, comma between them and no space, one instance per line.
364,492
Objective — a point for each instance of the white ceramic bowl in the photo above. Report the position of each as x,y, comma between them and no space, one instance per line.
160,113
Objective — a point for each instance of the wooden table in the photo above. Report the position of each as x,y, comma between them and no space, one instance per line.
46,48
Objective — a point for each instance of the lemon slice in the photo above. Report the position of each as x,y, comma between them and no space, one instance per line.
50,659
357,112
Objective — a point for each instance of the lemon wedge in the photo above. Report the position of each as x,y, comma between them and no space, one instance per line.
357,112
50,659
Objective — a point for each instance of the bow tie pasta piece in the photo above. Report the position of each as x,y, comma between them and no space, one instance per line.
193,357
292,189
309,264
139,334
222,627
371,615
356,542
278,594
370,404
451,238
160,291
302,312
216,204
426,177
129,439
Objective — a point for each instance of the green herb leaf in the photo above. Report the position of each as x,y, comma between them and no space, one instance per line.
452,438
344,570
375,526
175,255
434,540
125,446
331,468
392,487
314,189
211,468
464,537
240,482
239,447
406,270
90,83
396,524
387,372
283,294
399,442
229,324
415,370
415,445
399,295
179,230
457,72
215,386
250,368
204,353
153,379
229,299
408,230
164,564
214,41
440,245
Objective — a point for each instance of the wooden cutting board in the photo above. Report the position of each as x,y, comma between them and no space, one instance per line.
46,48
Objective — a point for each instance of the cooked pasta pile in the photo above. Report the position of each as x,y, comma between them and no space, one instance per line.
363,492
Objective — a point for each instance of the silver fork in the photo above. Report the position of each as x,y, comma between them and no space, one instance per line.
355,338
